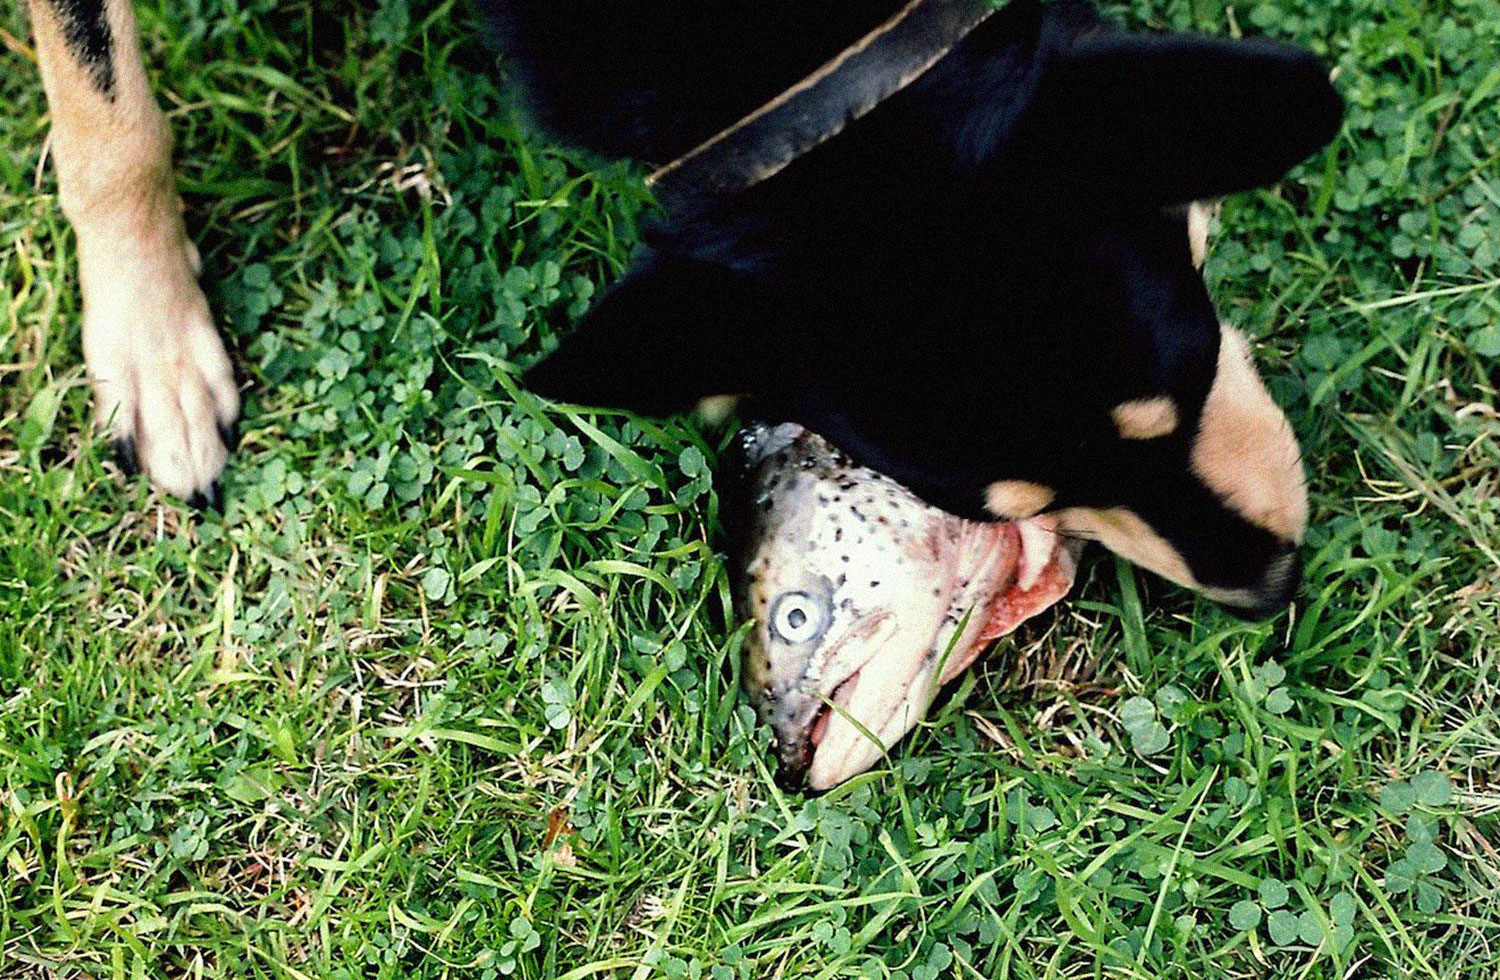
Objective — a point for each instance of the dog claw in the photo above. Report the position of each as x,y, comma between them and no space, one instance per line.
209,499
126,456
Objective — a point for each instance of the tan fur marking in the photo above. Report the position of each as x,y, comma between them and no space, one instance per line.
1200,215
1245,451
1015,500
1145,418
1122,532
716,408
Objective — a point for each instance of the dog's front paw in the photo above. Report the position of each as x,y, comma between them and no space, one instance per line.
164,387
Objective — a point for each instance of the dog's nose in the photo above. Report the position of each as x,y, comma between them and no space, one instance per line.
1275,591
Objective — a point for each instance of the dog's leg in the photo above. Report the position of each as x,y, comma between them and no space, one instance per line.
163,385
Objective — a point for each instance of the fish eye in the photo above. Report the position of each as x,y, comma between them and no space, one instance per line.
797,618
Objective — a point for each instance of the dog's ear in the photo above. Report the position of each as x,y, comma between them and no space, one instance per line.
672,332
1166,119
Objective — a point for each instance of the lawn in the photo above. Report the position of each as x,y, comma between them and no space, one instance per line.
450,689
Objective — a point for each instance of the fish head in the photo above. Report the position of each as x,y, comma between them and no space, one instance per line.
864,600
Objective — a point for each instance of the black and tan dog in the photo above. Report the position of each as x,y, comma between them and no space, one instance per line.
985,287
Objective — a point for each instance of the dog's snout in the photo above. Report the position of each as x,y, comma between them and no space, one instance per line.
1274,593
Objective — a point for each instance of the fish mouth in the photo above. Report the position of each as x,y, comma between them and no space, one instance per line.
839,726
839,699
798,750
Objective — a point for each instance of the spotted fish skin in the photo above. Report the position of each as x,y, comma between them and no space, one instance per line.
862,596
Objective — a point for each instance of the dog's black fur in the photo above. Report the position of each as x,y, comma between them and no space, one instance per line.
89,37
958,288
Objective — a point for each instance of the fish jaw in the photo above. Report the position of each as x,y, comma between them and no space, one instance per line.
896,598
883,701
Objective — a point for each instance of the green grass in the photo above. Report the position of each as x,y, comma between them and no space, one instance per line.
450,690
